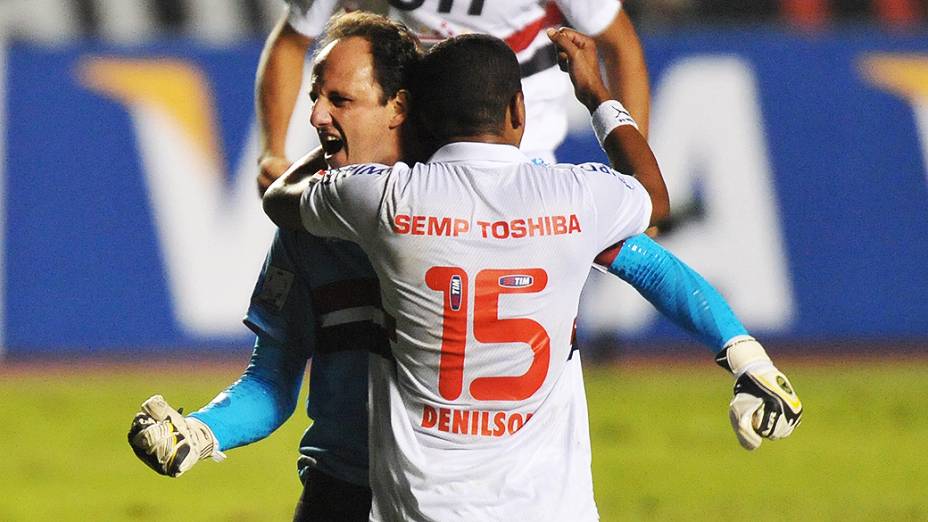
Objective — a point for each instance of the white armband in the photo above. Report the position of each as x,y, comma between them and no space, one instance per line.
609,115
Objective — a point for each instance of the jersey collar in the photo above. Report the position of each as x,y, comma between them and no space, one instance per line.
473,151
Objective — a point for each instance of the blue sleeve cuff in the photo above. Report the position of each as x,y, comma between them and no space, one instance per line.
677,291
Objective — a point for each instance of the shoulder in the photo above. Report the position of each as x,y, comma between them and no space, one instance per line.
595,171
590,167
361,170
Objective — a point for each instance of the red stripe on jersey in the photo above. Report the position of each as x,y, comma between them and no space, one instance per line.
524,37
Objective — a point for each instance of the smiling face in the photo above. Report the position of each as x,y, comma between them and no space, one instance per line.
353,123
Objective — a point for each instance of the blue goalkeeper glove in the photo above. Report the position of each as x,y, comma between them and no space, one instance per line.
765,405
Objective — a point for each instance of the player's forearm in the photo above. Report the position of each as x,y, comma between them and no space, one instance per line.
279,77
630,153
677,291
260,401
281,202
625,68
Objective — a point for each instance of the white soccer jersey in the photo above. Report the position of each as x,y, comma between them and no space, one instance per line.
480,413
520,23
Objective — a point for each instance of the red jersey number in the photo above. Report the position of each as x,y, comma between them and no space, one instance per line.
452,282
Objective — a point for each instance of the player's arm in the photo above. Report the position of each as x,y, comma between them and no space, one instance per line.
261,400
343,203
625,68
765,404
673,288
277,85
250,409
281,201
626,148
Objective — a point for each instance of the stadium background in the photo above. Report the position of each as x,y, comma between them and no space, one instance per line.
794,138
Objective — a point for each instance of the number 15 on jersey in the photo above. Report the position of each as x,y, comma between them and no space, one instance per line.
488,328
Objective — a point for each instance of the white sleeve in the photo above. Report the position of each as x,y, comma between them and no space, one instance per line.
308,17
622,204
345,203
590,17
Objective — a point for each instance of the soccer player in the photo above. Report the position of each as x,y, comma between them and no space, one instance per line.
319,296
520,23
315,297
478,410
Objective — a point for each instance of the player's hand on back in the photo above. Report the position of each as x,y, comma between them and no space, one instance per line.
765,405
168,442
576,54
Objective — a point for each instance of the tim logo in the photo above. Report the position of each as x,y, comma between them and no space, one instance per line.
516,281
454,292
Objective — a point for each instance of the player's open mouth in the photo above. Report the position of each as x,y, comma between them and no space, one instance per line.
330,144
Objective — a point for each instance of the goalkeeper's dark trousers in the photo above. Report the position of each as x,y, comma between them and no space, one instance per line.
327,499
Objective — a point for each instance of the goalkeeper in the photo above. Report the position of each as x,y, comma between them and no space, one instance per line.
316,298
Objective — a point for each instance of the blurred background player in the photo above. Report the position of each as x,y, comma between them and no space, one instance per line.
307,286
520,23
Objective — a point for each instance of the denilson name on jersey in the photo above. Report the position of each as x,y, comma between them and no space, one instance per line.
481,423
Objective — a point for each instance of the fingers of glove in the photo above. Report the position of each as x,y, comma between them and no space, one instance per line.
784,425
151,443
159,409
150,460
163,449
159,438
742,412
139,423
783,409
183,460
772,383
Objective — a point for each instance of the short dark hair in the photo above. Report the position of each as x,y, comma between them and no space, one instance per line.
461,87
393,46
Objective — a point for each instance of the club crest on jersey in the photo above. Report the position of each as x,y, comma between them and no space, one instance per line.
276,287
455,291
516,281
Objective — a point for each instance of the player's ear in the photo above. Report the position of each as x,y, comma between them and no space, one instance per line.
400,105
517,111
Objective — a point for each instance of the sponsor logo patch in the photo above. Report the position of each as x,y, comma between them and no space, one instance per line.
516,281
454,292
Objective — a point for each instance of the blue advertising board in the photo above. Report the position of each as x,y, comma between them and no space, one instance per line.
796,165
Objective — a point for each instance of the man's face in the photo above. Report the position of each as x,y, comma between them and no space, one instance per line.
352,123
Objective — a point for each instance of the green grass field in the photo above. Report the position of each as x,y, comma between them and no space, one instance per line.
663,448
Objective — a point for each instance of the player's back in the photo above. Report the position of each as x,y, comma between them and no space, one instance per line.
481,415
478,411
